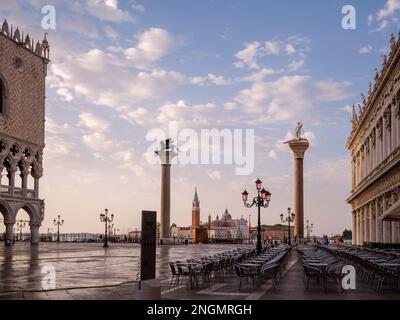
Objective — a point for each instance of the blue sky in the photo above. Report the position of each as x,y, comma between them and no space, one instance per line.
121,68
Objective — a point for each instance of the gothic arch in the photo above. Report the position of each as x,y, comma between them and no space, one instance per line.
4,96
34,216
6,211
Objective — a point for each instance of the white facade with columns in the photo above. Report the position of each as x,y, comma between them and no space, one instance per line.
374,144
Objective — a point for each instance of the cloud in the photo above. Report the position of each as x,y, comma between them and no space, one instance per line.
65,94
214,175
153,44
390,8
101,78
108,10
386,16
247,57
272,154
272,47
110,32
293,46
259,75
55,128
138,7
289,97
210,79
186,115
347,108
93,122
365,50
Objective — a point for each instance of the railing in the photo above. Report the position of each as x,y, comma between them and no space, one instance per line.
18,191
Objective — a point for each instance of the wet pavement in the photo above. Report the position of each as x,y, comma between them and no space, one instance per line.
88,271
86,265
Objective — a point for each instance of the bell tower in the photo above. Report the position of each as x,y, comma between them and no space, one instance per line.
23,70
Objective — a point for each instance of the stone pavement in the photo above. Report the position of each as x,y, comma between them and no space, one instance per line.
87,271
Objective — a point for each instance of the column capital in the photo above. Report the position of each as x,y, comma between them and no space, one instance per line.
299,147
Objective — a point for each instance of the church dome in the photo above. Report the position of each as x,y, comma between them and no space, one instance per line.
226,216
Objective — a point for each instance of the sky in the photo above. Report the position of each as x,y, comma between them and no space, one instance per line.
120,69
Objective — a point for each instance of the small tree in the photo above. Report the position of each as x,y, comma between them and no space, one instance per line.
347,235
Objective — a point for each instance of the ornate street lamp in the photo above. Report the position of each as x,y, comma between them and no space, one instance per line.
58,223
309,229
261,200
20,225
104,218
290,218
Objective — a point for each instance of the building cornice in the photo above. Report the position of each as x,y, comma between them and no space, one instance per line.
376,94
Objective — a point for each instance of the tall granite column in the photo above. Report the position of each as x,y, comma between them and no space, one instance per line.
299,147
166,155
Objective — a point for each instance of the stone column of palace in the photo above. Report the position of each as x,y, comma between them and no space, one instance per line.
35,234
378,222
361,227
354,228
299,148
372,223
366,223
394,230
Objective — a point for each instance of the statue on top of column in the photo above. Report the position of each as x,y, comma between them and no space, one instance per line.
167,151
299,132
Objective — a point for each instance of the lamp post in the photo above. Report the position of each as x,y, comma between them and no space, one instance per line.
290,218
58,223
104,218
20,225
309,229
261,200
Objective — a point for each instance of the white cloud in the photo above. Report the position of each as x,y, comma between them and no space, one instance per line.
259,75
129,160
110,32
295,46
289,48
289,97
230,106
65,94
385,16
365,50
390,8
272,154
271,47
247,57
138,7
58,148
97,141
210,78
214,175
104,79
108,10
347,108
139,115
93,122
54,128
153,44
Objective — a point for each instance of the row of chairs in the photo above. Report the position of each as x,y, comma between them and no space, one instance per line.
194,272
374,266
321,265
267,266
